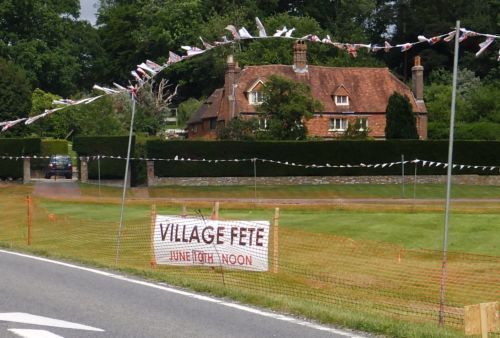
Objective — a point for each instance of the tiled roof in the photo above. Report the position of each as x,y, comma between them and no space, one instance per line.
369,88
209,108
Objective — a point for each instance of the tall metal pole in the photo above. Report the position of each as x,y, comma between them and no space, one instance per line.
125,179
99,172
448,178
402,176
254,160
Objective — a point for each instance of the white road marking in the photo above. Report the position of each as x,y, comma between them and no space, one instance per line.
26,318
34,333
195,296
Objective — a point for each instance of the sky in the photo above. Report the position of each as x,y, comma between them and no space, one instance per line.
88,10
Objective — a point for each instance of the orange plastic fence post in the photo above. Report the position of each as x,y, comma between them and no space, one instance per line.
276,240
152,234
29,211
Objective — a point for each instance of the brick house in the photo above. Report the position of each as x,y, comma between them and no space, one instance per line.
346,93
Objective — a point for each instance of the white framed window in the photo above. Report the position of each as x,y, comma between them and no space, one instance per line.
338,124
256,97
341,100
363,123
263,123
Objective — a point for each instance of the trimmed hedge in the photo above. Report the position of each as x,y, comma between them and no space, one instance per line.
49,147
315,152
466,131
54,147
16,147
104,145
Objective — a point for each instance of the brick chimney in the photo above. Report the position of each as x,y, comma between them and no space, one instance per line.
300,56
230,84
417,78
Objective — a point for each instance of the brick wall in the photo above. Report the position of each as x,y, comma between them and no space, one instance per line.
319,125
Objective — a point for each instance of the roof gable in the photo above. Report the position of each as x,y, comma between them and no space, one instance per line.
340,91
256,86
369,89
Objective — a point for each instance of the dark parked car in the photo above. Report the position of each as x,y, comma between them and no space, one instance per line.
59,165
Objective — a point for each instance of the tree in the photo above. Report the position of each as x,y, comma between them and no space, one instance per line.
400,120
355,131
15,94
186,109
286,105
239,129
57,52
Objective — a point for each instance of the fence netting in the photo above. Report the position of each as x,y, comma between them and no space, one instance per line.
304,267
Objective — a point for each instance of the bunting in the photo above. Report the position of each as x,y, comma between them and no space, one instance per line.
147,70
177,158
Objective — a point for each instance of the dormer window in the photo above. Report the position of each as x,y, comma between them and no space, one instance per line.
340,96
256,97
254,92
341,100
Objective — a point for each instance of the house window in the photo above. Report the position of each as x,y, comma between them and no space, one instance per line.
263,124
341,100
213,123
363,123
256,97
338,124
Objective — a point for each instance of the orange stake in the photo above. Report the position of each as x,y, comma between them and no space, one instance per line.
152,232
29,211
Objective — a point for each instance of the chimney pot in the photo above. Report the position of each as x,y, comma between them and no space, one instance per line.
300,56
418,79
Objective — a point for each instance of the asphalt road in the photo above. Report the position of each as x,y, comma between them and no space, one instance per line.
111,305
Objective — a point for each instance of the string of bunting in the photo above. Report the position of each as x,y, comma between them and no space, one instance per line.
422,163
148,70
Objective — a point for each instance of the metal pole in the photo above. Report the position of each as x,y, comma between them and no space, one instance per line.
403,175
415,184
99,172
255,179
448,178
125,179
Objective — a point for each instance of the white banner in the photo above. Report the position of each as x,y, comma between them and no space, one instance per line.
194,241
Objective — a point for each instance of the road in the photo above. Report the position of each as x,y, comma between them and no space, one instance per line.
98,303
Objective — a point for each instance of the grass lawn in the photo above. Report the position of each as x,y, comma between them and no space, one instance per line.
354,267
328,191
475,233
421,191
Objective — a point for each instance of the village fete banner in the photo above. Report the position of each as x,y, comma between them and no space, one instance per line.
195,241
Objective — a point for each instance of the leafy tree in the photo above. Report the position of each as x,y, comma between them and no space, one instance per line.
286,105
15,94
56,51
186,109
239,129
400,120
40,101
355,131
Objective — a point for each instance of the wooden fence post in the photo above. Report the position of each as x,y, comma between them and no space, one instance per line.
215,212
479,319
276,240
184,211
152,232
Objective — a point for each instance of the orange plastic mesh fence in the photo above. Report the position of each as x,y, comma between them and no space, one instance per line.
311,268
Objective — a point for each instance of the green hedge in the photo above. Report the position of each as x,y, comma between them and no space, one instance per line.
49,147
466,131
315,152
16,147
54,147
104,145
